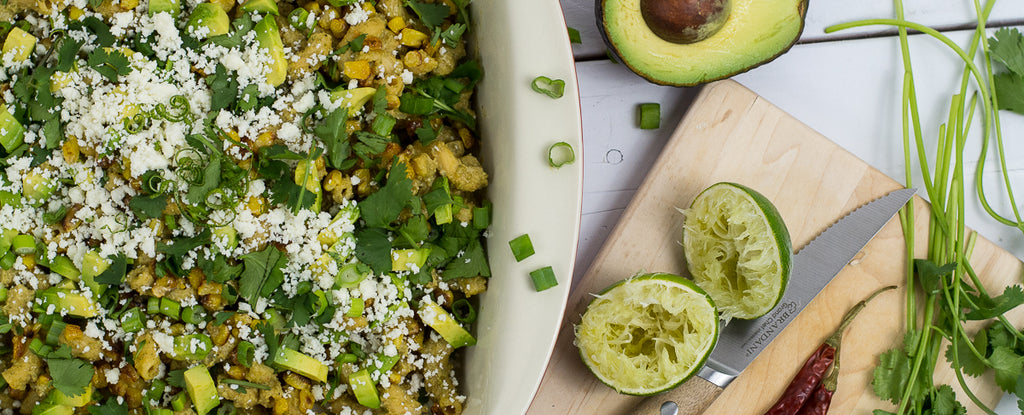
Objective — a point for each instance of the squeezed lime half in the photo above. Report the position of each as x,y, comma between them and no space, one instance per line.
648,334
737,249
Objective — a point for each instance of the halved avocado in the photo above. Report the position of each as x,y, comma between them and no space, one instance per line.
755,32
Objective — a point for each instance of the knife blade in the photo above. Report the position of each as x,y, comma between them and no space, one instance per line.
814,266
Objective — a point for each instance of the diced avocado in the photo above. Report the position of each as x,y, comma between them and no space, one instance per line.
201,389
409,259
12,133
78,401
208,20
269,38
353,99
62,265
36,187
65,301
364,389
52,409
93,264
172,7
301,364
19,44
444,324
260,6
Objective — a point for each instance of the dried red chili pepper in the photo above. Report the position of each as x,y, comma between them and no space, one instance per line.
805,382
808,392
822,397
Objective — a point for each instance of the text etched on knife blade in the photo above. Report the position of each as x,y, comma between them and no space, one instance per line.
776,321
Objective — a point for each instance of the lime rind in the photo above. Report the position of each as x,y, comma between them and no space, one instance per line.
737,249
648,334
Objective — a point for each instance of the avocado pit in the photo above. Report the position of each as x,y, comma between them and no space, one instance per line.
685,21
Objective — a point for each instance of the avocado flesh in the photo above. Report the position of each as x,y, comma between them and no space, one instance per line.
210,16
201,389
756,32
269,37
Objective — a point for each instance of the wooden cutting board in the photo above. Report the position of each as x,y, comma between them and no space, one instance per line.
731,134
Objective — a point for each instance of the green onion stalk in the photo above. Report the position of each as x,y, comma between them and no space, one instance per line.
944,182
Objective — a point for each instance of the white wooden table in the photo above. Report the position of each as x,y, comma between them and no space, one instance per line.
845,85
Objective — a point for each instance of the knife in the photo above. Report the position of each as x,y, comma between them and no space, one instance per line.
740,341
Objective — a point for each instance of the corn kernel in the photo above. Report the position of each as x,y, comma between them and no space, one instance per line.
280,406
29,261
338,27
333,180
397,24
256,204
359,69
131,4
369,8
413,38
75,13
157,226
263,140
70,149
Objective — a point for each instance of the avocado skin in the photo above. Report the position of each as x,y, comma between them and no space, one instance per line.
600,11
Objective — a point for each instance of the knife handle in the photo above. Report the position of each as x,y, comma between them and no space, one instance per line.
693,397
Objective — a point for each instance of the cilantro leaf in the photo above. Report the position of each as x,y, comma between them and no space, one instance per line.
931,274
70,376
148,206
182,246
104,37
472,263
115,272
373,248
945,402
67,53
453,34
110,407
970,363
210,181
1007,46
383,207
989,307
1010,91
431,14
262,273
891,375
334,136
110,64
1008,366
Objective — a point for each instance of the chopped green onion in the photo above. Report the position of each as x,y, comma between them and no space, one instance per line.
299,19
574,35
482,215
3,294
553,88
349,276
245,353
522,247
7,261
543,278
153,305
649,115
347,358
358,305
560,154
170,308
245,383
179,401
193,314
24,244
131,321
321,302
463,311
39,348
192,347
53,334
